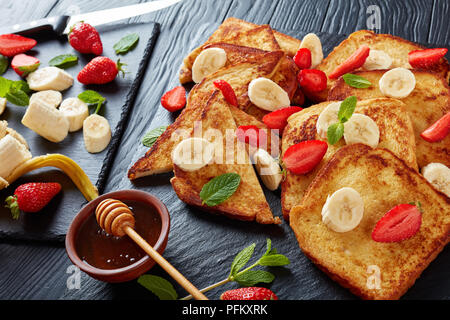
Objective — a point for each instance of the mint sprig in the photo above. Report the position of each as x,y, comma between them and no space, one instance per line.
15,92
93,98
162,288
4,63
126,44
64,61
220,188
336,130
150,137
356,81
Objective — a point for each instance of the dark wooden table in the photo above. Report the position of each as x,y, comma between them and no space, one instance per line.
41,271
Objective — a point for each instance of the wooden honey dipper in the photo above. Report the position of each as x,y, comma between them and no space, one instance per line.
116,218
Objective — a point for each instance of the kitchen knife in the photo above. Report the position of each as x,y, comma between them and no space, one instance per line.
61,24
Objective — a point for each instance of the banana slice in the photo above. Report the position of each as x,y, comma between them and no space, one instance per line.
51,97
267,95
76,111
438,175
343,210
46,121
12,154
96,133
397,83
268,169
377,60
312,42
361,129
49,78
2,105
208,61
193,153
327,117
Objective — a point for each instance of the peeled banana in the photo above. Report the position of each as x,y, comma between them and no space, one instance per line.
49,78
268,169
50,97
267,95
76,111
96,133
12,154
312,42
438,175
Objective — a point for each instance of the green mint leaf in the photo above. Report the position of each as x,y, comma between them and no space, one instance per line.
21,85
17,97
269,249
92,97
150,137
4,63
219,189
5,85
347,108
274,260
159,286
126,43
241,259
335,132
64,61
356,81
252,277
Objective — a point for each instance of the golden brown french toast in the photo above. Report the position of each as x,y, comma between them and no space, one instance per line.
369,269
397,48
427,103
248,202
396,134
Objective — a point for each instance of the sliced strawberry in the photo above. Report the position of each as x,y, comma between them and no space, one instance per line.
355,61
252,135
278,118
424,59
249,293
227,91
174,99
303,58
312,80
24,64
438,130
12,44
398,224
304,156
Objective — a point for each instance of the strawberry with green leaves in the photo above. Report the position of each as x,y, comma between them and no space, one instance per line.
85,39
100,70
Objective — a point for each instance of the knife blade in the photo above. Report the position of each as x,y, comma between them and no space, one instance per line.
61,24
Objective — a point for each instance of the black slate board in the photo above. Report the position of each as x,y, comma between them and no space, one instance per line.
53,222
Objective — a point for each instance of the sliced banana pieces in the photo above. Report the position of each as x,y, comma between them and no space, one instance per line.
343,210
51,97
267,95
361,129
208,61
397,83
13,133
49,78
268,169
312,42
193,153
46,121
96,133
438,175
377,60
327,117
76,111
2,105
12,154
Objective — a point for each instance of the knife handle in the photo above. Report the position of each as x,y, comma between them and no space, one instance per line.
56,24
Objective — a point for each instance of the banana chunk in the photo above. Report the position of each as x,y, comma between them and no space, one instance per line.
267,95
46,121
96,133
361,129
49,78
12,154
377,60
3,128
76,111
193,153
438,175
397,83
268,169
2,105
327,117
312,42
13,133
208,61
343,210
50,97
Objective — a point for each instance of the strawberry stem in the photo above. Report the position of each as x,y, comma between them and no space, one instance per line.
11,203
119,68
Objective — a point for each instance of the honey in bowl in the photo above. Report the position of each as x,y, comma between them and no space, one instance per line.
103,251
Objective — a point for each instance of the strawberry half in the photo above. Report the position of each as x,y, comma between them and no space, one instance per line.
424,59
278,119
100,70
12,44
249,293
227,91
355,61
303,58
85,39
252,135
398,224
32,197
302,157
438,130
24,64
312,80
175,99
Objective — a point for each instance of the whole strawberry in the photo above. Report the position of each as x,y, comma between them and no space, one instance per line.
249,293
100,70
32,197
85,39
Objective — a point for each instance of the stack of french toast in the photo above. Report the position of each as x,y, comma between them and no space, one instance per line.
364,171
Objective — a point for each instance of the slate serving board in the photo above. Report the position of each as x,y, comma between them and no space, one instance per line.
53,222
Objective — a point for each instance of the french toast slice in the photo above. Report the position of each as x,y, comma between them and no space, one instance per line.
428,102
248,202
396,134
352,258
397,48
158,158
